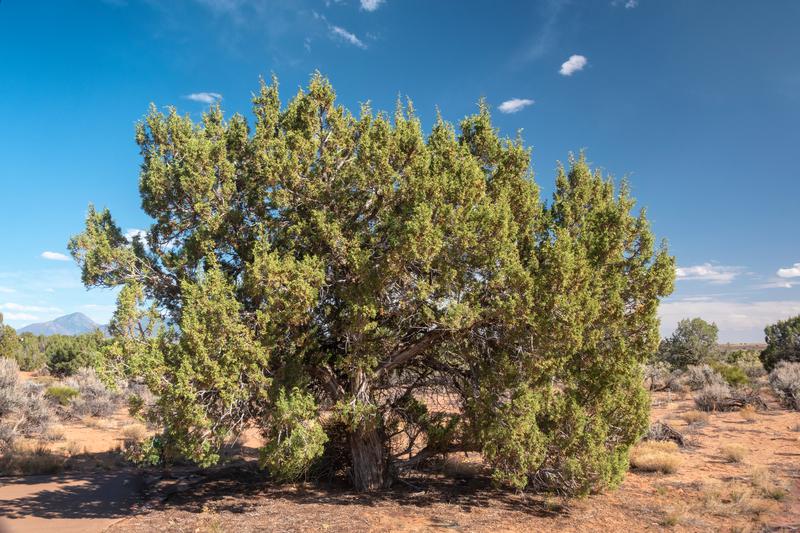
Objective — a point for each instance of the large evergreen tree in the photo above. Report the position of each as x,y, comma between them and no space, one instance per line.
316,261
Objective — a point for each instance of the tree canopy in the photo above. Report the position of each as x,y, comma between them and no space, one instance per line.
694,341
783,343
311,261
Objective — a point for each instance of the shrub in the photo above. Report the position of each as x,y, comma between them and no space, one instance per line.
61,394
7,436
699,376
95,399
710,397
695,418
783,343
733,453
733,375
785,381
655,456
10,398
34,414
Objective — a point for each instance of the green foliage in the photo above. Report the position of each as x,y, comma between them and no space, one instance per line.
295,437
694,341
732,374
783,343
61,394
66,354
9,343
370,262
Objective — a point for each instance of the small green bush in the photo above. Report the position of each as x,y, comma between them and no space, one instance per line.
61,394
733,375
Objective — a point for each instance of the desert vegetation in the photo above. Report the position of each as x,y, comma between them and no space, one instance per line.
326,300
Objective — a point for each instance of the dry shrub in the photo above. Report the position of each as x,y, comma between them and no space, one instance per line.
133,433
711,397
21,460
10,398
785,381
73,448
95,399
748,413
655,456
459,468
733,453
699,376
54,433
695,418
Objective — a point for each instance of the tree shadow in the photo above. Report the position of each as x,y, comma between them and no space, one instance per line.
242,489
99,489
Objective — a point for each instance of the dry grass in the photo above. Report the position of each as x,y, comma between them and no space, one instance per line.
764,482
748,413
73,448
656,456
733,453
732,499
695,418
133,433
27,460
674,515
54,433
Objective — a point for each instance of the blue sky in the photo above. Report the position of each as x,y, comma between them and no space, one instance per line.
697,102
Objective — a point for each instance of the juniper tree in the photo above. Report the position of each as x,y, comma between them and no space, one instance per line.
315,261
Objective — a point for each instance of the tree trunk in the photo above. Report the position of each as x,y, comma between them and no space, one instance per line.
369,460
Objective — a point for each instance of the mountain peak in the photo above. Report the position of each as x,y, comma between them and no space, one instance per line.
71,324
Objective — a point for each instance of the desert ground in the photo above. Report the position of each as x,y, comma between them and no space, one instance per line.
737,471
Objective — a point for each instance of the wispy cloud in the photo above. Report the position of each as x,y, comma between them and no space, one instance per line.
545,35
345,35
790,272
737,321
6,290
627,4
574,64
371,5
204,97
514,105
54,256
707,272
19,316
30,308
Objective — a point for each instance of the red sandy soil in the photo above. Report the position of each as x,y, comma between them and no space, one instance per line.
94,498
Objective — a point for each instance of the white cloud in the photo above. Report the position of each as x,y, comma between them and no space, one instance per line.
708,272
55,256
6,290
737,321
791,272
10,306
572,65
134,232
204,97
628,4
371,5
20,316
514,105
347,36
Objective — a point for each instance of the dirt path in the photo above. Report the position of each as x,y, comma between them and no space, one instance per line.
80,502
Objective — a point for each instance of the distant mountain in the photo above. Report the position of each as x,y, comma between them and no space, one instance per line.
73,324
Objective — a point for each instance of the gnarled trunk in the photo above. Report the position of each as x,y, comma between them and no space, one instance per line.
369,460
